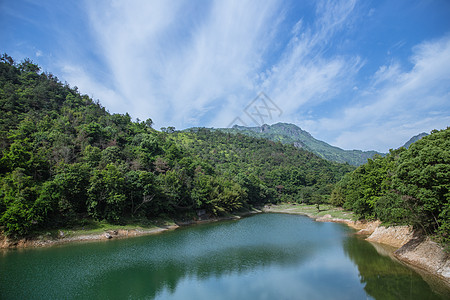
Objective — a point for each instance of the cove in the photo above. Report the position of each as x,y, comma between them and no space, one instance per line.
266,256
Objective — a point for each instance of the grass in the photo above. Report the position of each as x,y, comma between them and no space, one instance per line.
311,210
92,227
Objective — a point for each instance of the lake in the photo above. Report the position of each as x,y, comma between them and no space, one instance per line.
265,256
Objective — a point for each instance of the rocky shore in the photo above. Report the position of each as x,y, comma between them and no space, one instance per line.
6,243
410,247
63,238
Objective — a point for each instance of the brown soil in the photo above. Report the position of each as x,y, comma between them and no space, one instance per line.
6,243
109,234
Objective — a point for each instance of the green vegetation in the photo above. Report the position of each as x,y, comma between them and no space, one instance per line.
291,134
93,227
311,210
408,186
66,162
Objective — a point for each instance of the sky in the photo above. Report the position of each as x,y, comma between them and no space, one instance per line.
357,74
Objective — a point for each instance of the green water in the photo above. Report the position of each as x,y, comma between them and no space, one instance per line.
267,256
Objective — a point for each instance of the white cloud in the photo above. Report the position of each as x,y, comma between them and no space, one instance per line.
174,68
200,64
398,104
305,75
85,82
182,67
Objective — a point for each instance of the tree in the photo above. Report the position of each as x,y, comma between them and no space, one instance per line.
73,181
409,186
149,123
106,198
142,191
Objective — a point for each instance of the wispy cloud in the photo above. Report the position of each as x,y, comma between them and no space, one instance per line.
398,103
175,66
185,63
166,62
306,75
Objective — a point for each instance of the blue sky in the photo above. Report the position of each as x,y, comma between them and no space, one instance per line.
356,74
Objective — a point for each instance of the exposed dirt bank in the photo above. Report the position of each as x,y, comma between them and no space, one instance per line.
423,253
408,246
396,236
415,249
106,235
45,241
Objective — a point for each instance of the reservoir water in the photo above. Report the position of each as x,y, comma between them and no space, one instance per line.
266,256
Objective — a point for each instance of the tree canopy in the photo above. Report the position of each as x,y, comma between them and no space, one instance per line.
408,186
65,158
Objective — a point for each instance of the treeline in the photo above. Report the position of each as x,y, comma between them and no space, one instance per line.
269,171
291,134
65,159
408,186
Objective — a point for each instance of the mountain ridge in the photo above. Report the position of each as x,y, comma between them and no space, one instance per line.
288,133
414,139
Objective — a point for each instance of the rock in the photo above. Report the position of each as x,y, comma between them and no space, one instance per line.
396,236
414,248
324,218
108,235
422,252
369,227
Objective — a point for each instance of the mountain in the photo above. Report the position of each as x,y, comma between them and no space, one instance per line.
291,134
65,161
414,139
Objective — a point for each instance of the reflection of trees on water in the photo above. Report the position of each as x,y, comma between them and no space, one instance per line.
151,279
149,276
385,278
201,258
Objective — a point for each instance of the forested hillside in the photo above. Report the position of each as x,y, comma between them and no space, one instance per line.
408,186
294,135
65,159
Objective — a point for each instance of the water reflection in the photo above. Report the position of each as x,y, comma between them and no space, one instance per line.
383,277
268,256
150,279
202,253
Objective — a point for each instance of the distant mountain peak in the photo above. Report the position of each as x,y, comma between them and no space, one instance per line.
414,139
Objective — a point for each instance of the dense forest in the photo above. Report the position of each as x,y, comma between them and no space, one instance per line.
65,159
408,186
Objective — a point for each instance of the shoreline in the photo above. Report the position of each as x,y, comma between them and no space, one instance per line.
6,243
114,233
409,247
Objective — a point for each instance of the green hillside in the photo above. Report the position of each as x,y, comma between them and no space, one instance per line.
408,186
291,134
66,161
